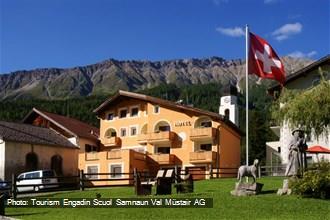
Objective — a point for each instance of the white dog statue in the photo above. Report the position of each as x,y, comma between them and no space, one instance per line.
249,171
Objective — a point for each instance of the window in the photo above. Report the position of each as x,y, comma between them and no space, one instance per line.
134,112
32,175
110,133
123,113
227,113
91,148
316,81
116,170
206,124
279,149
123,132
92,172
110,116
133,131
163,150
164,128
20,177
206,147
156,109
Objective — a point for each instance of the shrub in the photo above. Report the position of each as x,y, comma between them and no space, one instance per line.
315,182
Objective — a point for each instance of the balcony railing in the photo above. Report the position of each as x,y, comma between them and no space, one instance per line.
202,133
114,154
111,141
163,159
142,138
203,157
160,137
91,155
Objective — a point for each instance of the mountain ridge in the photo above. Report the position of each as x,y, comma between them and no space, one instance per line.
110,75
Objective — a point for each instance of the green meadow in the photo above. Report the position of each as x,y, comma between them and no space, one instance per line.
225,206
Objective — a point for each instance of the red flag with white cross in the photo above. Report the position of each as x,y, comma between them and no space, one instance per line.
263,61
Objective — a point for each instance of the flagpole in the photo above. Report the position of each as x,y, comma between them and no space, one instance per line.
247,92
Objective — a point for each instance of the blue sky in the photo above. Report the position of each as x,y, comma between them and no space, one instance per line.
68,33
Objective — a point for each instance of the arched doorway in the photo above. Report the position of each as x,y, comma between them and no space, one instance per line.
111,132
162,126
203,122
56,164
31,161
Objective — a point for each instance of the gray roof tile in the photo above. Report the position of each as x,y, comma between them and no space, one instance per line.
25,133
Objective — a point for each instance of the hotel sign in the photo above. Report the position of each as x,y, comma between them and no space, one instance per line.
182,123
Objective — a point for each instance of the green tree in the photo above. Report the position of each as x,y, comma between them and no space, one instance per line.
309,109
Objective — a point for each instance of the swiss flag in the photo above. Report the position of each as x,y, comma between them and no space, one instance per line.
263,61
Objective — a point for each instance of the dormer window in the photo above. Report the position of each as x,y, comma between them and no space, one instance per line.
156,109
111,116
134,112
123,113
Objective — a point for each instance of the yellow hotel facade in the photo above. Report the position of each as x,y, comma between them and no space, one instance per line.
148,133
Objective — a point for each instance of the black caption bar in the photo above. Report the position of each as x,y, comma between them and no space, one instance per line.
111,203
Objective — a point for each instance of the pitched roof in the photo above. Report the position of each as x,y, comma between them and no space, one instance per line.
302,72
19,132
121,94
71,125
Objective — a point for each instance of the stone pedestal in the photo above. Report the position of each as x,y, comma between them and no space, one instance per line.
285,190
247,189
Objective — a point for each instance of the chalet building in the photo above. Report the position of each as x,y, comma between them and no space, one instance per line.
147,133
26,147
77,132
305,78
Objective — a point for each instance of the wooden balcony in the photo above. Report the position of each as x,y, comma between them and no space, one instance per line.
163,159
203,157
114,154
91,155
111,142
142,138
160,137
202,134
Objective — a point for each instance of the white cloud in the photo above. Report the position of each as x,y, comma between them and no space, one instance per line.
287,30
232,32
299,54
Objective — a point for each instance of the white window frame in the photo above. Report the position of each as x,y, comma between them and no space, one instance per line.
137,130
120,134
153,110
130,111
93,165
114,116
122,170
127,112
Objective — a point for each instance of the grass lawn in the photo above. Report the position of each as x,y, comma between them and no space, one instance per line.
264,206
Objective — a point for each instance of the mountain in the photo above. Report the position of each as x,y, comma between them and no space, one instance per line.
108,76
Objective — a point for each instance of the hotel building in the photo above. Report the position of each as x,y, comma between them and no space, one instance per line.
148,133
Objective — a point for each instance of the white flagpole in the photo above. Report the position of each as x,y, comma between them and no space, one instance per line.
247,92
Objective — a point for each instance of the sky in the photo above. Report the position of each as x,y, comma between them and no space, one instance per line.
68,33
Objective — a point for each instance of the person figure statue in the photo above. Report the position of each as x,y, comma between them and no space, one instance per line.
296,159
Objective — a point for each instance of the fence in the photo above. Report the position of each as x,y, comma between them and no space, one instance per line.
92,180
272,170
